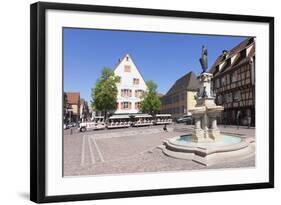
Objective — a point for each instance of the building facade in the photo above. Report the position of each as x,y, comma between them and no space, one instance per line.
84,110
234,83
73,101
130,87
180,98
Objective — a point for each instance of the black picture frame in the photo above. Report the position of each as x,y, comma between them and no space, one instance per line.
38,101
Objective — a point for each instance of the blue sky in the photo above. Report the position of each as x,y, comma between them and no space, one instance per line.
161,57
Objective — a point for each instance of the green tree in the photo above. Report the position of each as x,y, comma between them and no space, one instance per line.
104,94
150,101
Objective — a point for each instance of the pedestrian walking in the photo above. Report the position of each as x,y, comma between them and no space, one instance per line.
165,128
238,118
249,120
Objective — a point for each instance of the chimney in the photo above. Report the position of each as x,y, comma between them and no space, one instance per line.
224,52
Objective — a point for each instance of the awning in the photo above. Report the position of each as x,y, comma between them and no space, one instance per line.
119,117
142,116
163,115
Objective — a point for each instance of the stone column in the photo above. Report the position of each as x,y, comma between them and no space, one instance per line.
198,133
214,123
197,123
214,132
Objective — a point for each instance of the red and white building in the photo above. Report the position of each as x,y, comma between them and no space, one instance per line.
130,87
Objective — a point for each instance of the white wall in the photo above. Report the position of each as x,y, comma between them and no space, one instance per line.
14,85
126,82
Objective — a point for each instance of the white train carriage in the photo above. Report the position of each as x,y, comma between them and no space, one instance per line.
142,120
118,121
97,123
161,119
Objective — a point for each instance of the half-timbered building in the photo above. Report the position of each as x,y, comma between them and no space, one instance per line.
234,83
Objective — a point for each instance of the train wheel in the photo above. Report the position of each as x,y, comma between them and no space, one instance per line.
83,129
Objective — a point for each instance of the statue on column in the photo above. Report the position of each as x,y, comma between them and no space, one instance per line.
203,60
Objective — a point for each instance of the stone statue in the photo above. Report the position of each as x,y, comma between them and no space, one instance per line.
204,94
203,60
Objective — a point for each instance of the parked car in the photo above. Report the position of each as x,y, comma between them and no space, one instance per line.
185,119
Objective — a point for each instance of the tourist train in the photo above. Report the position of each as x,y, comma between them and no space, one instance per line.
125,121
96,123
161,119
118,121
142,120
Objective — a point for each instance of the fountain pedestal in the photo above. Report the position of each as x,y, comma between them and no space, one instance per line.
205,112
206,145
198,132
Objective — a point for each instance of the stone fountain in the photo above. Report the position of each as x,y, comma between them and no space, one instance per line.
206,144
205,112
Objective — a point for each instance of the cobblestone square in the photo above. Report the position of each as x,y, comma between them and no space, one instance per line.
135,150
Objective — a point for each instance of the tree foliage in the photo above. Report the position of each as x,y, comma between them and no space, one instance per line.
150,101
104,94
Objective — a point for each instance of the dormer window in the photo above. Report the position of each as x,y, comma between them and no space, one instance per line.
228,62
127,58
243,53
217,69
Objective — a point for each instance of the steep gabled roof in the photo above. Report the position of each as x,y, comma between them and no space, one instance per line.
234,51
186,82
252,52
130,57
73,97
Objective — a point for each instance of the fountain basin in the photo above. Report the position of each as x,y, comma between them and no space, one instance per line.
207,153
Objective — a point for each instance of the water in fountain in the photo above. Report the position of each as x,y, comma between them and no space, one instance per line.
225,140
